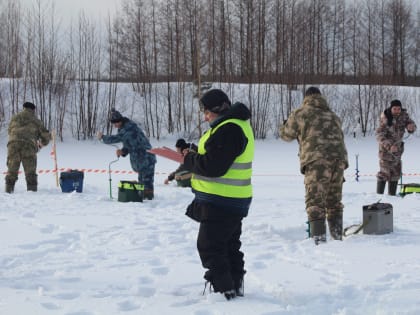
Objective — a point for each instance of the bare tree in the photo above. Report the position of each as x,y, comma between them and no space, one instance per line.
401,20
11,52
86,51
46,71
114,34
355,40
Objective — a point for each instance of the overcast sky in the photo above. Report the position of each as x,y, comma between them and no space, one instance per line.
70,9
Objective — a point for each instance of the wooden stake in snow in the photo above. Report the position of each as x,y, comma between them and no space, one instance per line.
54,156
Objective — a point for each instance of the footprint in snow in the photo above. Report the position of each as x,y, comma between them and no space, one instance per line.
127,306
79,313
146,291
259,265
67,296
188,302
160,271
49,228
50,306
145,280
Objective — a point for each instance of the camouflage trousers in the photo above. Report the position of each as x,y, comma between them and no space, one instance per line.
17,153
389,170
146,170
323,184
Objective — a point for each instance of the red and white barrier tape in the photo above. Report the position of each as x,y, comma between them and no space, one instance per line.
102,171
85,170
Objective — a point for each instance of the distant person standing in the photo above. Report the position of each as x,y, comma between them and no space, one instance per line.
27,135
136,144
323,159
181,175
221,183
393,122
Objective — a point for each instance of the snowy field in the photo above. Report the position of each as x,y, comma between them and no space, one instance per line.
85,254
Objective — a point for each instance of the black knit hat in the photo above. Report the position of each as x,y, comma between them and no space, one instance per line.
29,105
215,101
396,103
312,90
180,143
115,116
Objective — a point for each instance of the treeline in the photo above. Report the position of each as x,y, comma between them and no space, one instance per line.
270,41
259,43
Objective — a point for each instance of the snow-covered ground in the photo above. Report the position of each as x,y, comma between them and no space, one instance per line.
85,254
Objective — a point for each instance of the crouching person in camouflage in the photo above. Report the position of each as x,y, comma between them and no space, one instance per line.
27,135
394,121
323,159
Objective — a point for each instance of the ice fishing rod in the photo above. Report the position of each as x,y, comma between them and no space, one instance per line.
109,172
401,174
110,179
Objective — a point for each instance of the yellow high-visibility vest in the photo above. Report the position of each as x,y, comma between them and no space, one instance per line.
236,183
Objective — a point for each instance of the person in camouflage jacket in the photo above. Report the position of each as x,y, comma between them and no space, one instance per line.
136,144
181,174
27,135
323,159
393,122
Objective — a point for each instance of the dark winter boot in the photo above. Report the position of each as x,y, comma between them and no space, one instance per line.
10,186
32,182
148,194
380,187
230,294
318,231
31,187
238,282
222,283
335,225
392,188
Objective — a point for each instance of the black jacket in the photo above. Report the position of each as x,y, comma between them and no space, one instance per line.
222,148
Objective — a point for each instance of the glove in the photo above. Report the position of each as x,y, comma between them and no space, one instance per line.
410,128
99,135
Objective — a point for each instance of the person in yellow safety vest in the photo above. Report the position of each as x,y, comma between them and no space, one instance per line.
221,182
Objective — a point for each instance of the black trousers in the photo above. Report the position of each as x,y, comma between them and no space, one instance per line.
218,245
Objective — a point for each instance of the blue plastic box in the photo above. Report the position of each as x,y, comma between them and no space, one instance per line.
71,181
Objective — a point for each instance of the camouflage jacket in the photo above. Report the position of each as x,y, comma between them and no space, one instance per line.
27,128
317,130
391,132
134,143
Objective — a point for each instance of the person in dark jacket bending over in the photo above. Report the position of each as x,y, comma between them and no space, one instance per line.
136,144
221,182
